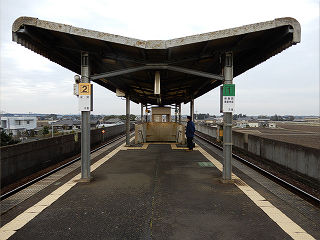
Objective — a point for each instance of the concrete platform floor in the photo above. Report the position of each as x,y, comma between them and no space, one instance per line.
152,193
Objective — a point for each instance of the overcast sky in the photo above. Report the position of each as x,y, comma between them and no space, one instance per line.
287,83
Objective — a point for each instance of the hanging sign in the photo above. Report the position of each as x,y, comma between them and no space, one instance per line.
85,97
84,89
228,100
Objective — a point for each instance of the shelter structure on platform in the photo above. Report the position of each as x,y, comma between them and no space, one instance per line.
156,72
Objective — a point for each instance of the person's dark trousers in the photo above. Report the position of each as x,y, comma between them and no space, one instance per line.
190,143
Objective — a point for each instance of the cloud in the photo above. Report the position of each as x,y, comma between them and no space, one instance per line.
32,63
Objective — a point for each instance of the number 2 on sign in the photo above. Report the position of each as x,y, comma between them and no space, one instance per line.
84,88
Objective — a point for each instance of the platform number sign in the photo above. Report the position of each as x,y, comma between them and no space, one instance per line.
84,89
85,99
228,98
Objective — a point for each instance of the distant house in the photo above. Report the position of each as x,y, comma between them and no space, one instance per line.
69,124
245,124
43,123
16,125
113,121
253,124
263,119
298,120
209,120
272,125
219,120
242,124
244,119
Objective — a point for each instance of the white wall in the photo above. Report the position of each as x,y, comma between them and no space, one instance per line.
14,123
253,124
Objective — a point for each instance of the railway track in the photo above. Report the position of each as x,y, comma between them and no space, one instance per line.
298,191
25,185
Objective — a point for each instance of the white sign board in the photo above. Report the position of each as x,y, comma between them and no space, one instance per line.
228,103
85,97
76,89
84,103
228,100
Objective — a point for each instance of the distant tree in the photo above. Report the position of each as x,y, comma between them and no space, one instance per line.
98,117
123,117
290,118
237,116
274,118
132,117
109,117
45,130
202,116
30,133
6,139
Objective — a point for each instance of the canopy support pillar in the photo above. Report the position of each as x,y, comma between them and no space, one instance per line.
141,114
192,109
180,113
227,123
175,112
127,120
85,124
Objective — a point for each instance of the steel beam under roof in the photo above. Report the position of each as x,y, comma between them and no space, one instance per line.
192,64
157,67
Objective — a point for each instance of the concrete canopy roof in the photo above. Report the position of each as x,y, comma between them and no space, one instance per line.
203,53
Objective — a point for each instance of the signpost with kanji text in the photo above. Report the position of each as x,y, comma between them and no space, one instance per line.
228,101
85,96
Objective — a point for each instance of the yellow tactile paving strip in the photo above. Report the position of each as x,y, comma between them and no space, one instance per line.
11,227
289,226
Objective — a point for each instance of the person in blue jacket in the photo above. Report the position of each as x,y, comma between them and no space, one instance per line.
190,133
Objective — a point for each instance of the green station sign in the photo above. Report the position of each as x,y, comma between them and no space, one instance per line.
229,90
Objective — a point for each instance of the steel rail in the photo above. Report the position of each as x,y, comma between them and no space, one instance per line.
23,186
312,199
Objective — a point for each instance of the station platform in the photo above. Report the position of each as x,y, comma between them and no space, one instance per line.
159,191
